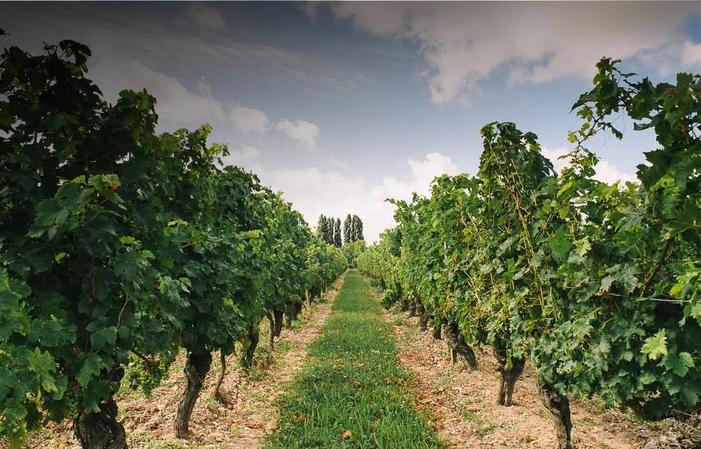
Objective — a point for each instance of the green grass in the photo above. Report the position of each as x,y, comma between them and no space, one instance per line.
353,382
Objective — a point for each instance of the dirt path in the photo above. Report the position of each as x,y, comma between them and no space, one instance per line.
243,423
464,406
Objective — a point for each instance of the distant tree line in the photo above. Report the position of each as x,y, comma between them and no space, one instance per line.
329,229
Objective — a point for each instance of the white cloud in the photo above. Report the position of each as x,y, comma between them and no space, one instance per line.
605,170
205,15
246,157
113,69
159,45
609,173
310,8
249,120
313,191
175,102
345,165
422,173
464,44
302,131
691,53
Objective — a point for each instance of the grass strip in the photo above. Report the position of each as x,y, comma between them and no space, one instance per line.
352,392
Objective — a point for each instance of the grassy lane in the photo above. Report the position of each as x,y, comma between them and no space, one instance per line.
352,392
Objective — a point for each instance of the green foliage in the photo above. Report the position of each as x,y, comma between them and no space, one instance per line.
381,262
322,229
352,251
347,238
356,229
324,264
116,242
337,240
583,278
329,229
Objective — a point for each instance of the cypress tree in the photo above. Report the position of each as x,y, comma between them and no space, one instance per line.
352,229
347,230
359,229
321,228
337,233
330,224
356,229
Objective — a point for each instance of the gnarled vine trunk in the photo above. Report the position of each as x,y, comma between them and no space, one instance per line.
278,314
253,338
412,307
509,376
102,430
292,310
425,315
312,294
437,330
220,379
271,340
197,366
458,346
559,408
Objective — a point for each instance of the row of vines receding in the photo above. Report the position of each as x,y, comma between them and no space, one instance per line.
120,247
597,285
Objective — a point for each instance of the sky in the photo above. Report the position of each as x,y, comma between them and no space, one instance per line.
342,105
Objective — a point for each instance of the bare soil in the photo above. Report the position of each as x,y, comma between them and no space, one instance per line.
464,409
250,413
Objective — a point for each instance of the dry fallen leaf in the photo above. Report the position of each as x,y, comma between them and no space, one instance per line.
346,435
526,438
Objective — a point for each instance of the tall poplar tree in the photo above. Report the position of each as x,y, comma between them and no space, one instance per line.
347,238
322,229
331,230
356,229
337,233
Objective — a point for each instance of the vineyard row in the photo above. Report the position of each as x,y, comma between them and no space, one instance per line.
121,247
596,285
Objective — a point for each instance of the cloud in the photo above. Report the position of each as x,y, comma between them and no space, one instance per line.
422,173
691,53
310,9
246,157
464,44
249,120
605,170
345,165
609,173
133,32
177,47
113,70
314,191
174,101
205,15
304,132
